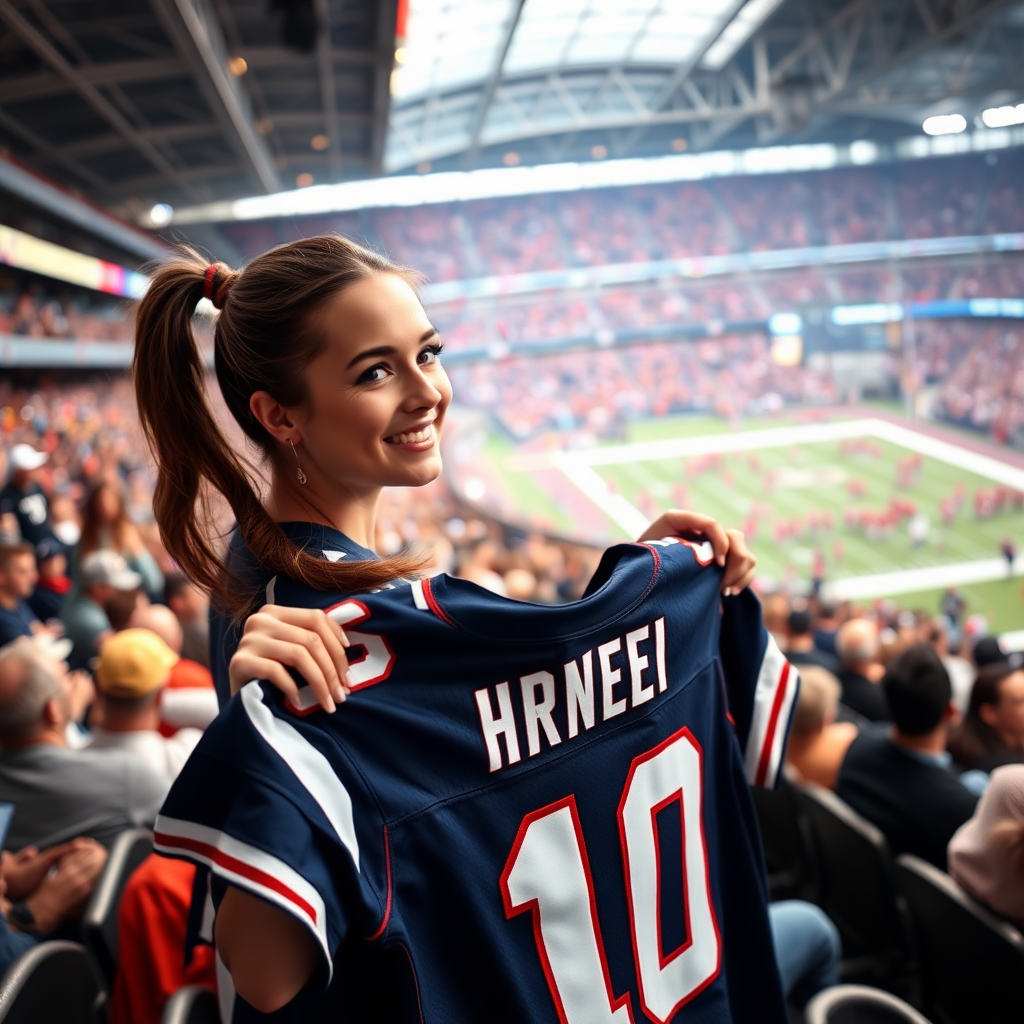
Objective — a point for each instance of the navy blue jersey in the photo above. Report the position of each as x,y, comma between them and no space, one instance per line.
522,813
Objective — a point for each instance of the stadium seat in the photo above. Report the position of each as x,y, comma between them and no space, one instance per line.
858,888
858,1004
192,1004
99,924
786,841
972,960
53,983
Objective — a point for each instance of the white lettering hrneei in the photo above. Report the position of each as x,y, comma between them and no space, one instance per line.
569,697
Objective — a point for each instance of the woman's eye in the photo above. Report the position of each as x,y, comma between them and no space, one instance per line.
430,355
373,375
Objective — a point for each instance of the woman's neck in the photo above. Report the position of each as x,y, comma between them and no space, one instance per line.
354,515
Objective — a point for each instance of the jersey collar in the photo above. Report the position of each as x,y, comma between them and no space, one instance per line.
623,579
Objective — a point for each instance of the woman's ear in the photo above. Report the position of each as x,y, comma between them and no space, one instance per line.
275,419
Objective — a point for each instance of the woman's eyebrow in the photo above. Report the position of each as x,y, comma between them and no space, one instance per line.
372,353
388,350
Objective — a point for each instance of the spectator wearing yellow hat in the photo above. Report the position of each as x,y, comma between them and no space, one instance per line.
133,669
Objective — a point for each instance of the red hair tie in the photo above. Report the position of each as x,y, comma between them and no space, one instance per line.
208,281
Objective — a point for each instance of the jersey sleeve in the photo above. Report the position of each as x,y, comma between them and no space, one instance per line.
266,804
761,687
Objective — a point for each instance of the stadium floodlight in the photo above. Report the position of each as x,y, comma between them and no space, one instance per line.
945,124
1003,117
161,214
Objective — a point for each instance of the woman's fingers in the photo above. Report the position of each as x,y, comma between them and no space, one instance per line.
311,628
301,650
274,630
740,564
308,618
271,660
678,521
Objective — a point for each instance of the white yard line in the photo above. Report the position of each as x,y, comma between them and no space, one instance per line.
578,469
885,584
620,511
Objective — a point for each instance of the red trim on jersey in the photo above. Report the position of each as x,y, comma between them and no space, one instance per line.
434,606
781,690
238,867
387,908
512,910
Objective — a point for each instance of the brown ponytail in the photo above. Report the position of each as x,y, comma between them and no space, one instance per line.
264,338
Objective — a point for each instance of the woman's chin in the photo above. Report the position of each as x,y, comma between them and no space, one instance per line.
426,472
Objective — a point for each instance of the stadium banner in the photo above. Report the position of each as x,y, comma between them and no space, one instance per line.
26,252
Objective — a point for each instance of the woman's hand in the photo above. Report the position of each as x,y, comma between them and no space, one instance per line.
729,546
301,638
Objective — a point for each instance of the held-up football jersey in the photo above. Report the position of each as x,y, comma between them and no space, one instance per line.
522,814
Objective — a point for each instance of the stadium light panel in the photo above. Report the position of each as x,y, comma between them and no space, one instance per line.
1003,117
945,124
750,18
498,182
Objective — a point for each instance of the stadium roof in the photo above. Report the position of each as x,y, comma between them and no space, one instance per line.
186,102
175,101
533,81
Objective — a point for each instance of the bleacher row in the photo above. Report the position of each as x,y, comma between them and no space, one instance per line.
905,925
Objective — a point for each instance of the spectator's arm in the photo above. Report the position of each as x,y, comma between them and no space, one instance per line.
63,893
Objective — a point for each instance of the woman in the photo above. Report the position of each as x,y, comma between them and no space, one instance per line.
986,855
328,363
992,731
106,524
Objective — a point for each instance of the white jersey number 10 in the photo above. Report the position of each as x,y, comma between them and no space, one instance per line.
548,874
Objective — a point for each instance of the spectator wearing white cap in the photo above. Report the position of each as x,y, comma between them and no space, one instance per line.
134,668
102,574
22,496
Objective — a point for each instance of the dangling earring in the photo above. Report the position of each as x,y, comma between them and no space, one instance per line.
298,466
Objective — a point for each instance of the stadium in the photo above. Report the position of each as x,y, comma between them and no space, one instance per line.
757,260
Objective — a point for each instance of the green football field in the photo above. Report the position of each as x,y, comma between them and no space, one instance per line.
796,500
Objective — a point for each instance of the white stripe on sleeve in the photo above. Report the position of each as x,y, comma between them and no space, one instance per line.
307,764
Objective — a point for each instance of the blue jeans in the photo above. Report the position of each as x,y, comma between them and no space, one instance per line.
807,948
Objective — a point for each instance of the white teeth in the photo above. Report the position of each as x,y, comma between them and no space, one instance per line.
413,438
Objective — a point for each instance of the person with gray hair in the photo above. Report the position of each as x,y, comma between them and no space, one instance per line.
861,672
59,793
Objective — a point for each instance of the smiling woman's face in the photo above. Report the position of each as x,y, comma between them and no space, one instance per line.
377,395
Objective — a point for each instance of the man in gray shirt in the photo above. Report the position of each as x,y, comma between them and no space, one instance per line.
59,793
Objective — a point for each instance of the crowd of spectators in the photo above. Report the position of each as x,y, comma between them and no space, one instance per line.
986,389
29,309
910,717
598,391
961,195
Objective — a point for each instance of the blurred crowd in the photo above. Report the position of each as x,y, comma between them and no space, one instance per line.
916,720
598,391
30,309
971,194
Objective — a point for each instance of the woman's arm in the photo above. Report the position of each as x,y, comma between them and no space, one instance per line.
268,953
